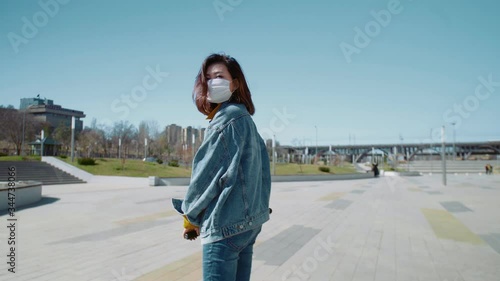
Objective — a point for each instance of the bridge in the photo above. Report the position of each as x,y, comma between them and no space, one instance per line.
411,151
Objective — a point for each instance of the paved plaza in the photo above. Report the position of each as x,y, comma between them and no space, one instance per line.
383,229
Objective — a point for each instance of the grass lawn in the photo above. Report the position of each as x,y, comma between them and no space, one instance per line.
131,168
20,158
388,168
138,168
296,169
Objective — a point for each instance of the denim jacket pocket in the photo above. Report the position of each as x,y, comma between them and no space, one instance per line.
242,240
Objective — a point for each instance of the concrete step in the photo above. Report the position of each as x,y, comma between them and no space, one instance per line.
37,171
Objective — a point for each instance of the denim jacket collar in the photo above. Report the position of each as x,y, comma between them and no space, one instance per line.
228,111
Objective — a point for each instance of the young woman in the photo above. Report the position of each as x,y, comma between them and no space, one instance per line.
228,198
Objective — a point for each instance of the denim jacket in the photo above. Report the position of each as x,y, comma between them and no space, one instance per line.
231,181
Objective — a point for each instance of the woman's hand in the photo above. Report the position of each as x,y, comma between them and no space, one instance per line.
190,231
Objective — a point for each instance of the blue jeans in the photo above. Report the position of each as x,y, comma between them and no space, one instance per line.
229,259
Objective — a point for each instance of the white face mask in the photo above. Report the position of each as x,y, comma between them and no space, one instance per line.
218,90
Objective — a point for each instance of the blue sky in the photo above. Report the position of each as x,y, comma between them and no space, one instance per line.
430,64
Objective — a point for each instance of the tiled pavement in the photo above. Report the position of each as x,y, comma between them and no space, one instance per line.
389,228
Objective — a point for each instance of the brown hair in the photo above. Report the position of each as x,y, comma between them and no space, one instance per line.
240,95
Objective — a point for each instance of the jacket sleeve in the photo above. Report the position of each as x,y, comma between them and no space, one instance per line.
209,166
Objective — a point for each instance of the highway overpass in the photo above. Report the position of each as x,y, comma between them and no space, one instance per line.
415,151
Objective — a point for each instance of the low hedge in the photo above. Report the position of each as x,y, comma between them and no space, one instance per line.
86,161
324,169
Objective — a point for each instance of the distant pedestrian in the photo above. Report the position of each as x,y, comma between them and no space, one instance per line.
375,169
487,168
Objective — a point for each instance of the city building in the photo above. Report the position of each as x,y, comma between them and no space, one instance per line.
174,135
184,138
187,137
199,135
45,110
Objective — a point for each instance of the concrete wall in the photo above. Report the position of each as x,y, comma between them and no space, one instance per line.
25,194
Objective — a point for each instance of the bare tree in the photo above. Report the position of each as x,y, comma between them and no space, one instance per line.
89,142
104,140
126,132
153,129
149,130
11,127
161,146
96,140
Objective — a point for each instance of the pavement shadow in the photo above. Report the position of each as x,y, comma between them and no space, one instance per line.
44,201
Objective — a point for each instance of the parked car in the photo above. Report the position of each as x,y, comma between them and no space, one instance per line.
149,159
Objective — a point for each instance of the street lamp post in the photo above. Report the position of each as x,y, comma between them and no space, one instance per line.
443,155
454,151
430,148
41,143
22,141
402,146
407,160
72,138
192,147
316,153
274,157
373,155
